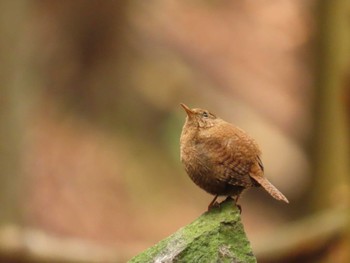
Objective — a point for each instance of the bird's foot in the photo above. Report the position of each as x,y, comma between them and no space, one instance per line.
235,199
236,203
239,208
213,205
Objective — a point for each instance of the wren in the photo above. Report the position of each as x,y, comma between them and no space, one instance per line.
221,158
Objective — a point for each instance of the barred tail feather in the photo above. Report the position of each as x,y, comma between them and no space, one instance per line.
270,188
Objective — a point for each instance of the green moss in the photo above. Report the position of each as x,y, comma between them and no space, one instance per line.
216,236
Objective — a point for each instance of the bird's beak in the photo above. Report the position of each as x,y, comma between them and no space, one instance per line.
187,109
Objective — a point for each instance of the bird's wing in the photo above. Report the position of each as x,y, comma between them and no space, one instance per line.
230,159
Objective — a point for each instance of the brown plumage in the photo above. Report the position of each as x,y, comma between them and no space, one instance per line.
221,158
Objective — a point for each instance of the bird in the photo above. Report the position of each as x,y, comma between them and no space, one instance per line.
221,158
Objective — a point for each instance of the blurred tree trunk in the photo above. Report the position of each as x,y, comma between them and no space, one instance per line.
12,106
332,133
332,141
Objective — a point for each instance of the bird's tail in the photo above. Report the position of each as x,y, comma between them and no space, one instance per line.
270,188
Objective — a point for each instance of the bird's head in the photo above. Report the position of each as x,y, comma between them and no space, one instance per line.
199,118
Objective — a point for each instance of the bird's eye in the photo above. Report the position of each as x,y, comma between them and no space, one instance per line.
205,114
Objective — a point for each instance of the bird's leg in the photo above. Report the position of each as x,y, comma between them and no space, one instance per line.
213,203
238,206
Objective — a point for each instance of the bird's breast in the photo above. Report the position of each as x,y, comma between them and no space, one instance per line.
199,169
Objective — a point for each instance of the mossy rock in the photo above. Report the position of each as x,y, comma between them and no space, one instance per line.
216,236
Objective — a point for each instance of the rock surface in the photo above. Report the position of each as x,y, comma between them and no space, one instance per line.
216,236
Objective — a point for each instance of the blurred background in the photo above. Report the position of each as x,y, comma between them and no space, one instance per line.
90,123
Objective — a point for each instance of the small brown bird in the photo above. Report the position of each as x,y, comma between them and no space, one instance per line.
221,158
